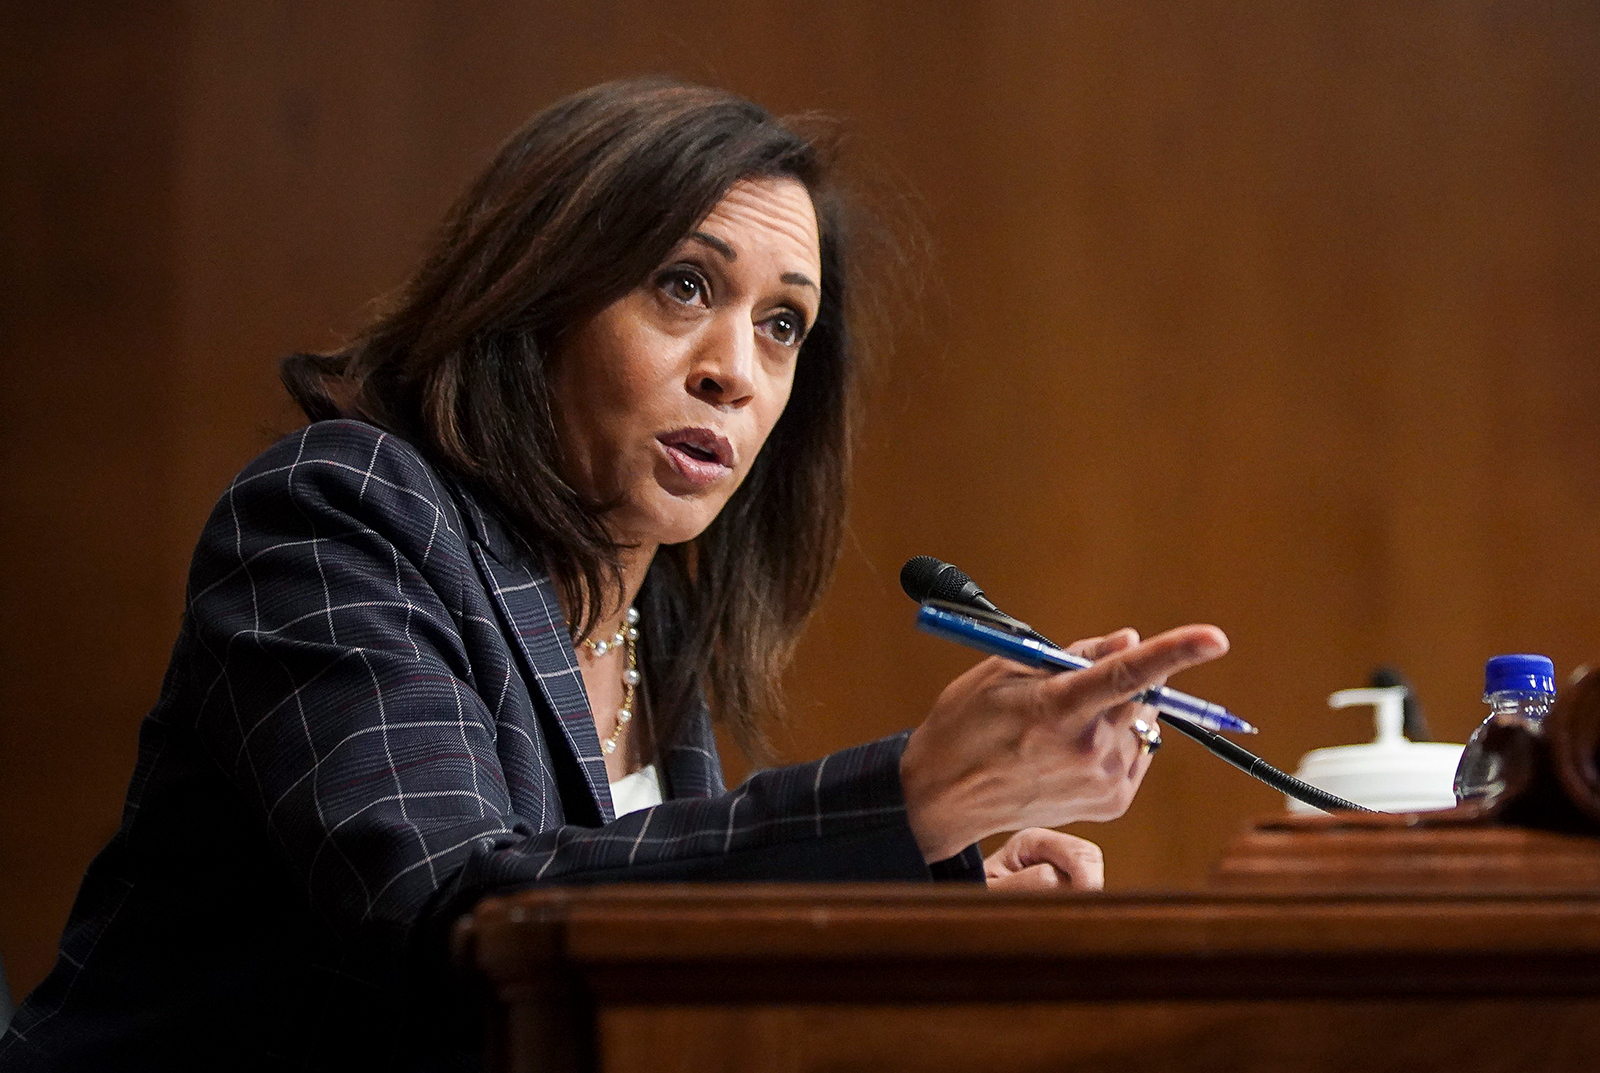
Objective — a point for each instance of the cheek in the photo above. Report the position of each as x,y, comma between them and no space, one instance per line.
611,383
609,387
778,401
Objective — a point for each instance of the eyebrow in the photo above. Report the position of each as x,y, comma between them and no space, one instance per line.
717,244
797,279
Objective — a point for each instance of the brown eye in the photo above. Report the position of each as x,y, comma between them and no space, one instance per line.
786,328
683,285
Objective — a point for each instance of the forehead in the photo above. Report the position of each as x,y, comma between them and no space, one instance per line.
769,219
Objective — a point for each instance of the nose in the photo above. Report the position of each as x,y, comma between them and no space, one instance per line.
722,369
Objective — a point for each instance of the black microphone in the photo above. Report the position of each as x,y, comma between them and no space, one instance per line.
925,578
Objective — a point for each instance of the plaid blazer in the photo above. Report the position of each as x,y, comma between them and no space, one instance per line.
373,717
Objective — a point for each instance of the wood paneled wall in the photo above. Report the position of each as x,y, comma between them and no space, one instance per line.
1277,316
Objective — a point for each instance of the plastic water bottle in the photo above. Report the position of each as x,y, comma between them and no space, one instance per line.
1519,691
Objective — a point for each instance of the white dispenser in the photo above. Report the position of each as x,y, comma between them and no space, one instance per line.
1389,774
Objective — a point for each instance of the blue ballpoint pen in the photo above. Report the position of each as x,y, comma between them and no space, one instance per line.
991,637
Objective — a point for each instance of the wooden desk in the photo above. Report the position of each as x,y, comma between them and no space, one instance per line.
1354,943
944,978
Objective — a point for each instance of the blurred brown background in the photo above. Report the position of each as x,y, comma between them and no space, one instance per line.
1280,316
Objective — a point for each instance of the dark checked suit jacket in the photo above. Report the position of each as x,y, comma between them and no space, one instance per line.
373,717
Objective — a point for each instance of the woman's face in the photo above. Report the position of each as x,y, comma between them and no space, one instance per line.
664,397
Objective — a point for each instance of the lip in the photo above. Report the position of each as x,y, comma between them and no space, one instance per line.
684,447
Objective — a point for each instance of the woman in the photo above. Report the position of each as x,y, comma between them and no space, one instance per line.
585,480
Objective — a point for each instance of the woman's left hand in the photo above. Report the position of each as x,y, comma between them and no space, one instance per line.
1041,859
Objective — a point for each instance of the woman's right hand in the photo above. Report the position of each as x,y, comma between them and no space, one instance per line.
1007,747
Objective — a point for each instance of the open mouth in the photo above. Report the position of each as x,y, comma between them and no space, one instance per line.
699,446
694,450
699,456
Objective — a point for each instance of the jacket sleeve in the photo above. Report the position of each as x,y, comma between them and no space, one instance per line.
332,684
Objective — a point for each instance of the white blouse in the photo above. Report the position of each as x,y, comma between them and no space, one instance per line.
636,791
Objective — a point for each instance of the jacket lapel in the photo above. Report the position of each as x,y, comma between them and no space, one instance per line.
534,623
537,630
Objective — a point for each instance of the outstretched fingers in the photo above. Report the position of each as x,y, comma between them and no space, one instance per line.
1100,647
1129,670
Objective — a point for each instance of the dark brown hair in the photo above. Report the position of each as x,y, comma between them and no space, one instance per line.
576,209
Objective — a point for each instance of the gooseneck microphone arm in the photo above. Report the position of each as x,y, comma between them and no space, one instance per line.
925,578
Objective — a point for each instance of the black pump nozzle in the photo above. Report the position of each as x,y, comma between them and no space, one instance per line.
1415,727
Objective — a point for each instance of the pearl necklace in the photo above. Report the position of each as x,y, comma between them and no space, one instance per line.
626,637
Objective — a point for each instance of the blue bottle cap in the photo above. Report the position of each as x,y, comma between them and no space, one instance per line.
1525,673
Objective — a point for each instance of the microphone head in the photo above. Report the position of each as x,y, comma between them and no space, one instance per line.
925,578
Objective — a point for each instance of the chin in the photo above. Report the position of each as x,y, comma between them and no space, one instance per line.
676,521
688,529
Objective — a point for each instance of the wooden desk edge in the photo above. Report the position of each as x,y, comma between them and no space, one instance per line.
838,942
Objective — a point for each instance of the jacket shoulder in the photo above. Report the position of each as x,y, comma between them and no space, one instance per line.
347,465
340,453
332,480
